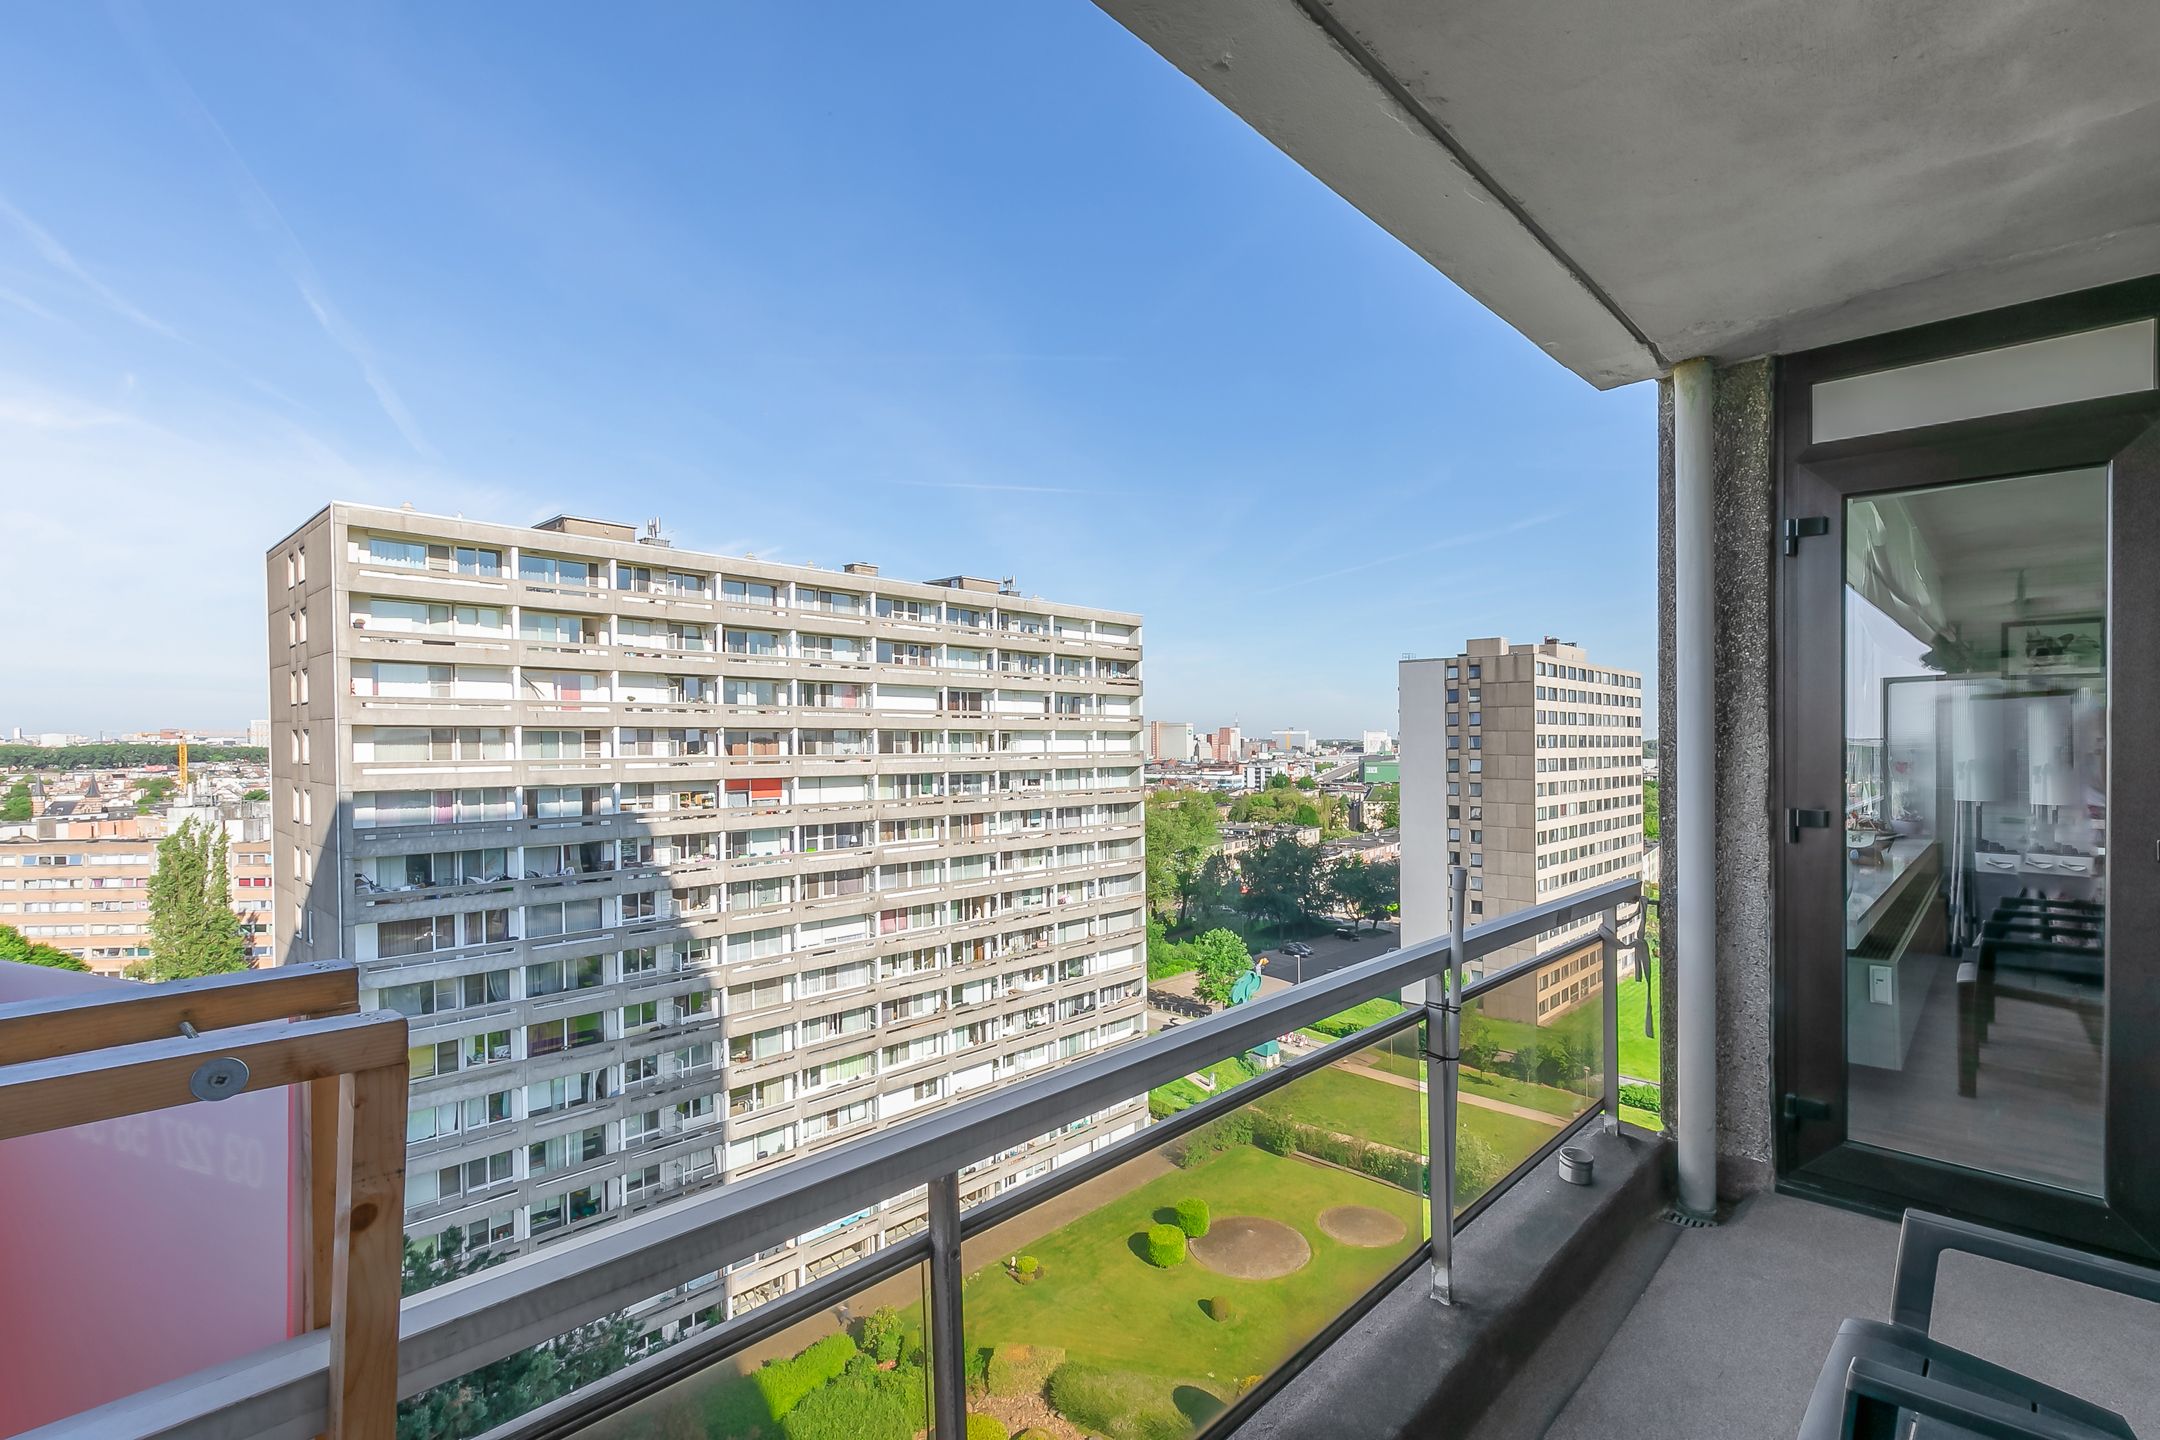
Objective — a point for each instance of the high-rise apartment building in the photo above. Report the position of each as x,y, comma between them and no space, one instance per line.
1522,763
1227,746
684,866
1169,742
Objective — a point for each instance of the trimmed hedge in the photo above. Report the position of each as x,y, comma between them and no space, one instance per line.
864,1404
1165,1245
1644,1097
769,1393
1021,1369
986,1427
1192,1216
1222,1308
784,1383
1279,1136
1117,1403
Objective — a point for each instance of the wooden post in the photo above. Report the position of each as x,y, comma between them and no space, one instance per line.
324,1163
367,1266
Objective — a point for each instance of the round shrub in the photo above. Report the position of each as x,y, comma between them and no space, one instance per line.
1222,1307
1192,1216
1029,1265
1033,1432
1165,1245
986,1427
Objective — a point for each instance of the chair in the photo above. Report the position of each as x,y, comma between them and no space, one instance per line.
1890,1380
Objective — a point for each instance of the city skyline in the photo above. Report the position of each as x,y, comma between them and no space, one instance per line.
628,267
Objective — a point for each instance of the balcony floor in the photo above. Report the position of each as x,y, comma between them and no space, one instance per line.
1584,1316
1726,1339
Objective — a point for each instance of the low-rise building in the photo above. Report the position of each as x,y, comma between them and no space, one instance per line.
82,885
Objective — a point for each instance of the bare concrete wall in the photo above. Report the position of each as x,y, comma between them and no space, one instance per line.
1742,458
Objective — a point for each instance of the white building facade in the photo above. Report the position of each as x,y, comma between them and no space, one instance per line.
684,866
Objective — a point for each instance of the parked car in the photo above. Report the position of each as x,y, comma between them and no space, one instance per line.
1299,948
1348,932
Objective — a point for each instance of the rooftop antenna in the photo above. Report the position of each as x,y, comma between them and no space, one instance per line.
655,532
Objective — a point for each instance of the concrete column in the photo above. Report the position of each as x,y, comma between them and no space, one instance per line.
1695,781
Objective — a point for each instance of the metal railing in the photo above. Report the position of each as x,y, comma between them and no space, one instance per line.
453,1330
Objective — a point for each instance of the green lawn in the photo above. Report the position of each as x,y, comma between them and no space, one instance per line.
1106,1305
1181,1093
1552,1100
1513,1136
1638,1052
1338,1098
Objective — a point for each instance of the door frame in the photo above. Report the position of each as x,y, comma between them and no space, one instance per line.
2121,433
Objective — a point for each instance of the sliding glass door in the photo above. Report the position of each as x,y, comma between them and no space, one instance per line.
1969,847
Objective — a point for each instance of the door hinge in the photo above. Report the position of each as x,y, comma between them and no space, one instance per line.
1798,820
1798,1109
1801,527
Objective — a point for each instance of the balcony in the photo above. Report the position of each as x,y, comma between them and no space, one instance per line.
1577,1311
450,1332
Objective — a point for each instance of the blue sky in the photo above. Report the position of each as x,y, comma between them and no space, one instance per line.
976,287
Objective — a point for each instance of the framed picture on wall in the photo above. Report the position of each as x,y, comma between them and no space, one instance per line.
2070,644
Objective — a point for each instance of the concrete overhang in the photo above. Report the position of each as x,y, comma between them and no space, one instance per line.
1630,183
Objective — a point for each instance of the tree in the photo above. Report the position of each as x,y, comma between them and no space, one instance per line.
1285,804
154,790
1183,828
882,1334
115,756
1213,889
255,792
1389,798
1650,812
447,1259
193,930
16,807
1282,879
1368,892
16,946
1220,957
498,1393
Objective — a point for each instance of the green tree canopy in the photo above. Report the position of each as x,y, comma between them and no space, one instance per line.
15,807
1282,880
1368,891
1184,828
1285,804
118,756
193,930
1389,798
16,946
1220,957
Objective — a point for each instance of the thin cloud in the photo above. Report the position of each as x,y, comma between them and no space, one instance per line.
263,212
1452,542
28,306
990,485
62,259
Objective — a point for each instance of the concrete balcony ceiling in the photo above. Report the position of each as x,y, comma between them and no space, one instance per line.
1635,183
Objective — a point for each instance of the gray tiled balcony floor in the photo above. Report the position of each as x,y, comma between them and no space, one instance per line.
1726,1339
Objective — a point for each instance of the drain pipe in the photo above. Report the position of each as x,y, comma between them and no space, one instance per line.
1694,943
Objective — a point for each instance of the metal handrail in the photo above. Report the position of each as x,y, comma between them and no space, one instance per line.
458,1327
